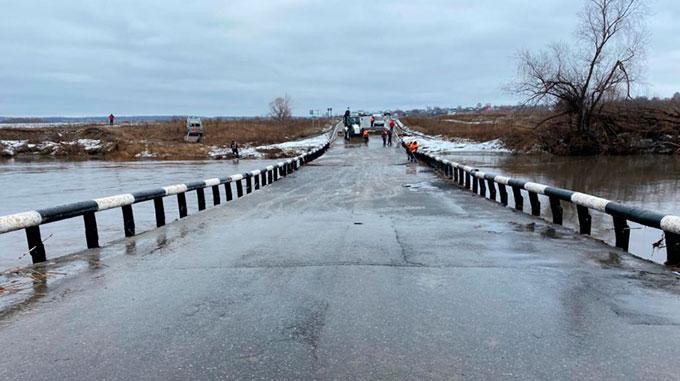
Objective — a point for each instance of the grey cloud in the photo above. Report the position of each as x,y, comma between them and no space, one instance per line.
84,57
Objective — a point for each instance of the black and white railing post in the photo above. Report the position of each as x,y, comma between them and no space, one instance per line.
556,209
91,232
35,244
216,195
128,220
159,210
672,248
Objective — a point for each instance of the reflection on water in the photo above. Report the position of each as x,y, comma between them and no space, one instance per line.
29,185
648,181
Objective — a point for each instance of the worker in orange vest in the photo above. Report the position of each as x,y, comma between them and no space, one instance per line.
365,135
413,148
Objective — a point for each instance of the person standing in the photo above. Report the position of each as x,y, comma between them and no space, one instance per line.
389,137
384,137
372,121
234,149
346,118
111,119
392,125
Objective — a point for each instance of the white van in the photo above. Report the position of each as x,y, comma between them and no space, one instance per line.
194,130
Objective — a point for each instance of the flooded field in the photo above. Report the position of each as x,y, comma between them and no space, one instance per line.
40,184
651,182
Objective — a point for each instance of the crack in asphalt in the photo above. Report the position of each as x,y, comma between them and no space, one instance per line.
404,254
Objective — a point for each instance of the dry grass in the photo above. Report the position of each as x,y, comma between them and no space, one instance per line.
167,139
516,130
619,128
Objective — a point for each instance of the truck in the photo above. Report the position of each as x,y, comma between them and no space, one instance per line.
194,130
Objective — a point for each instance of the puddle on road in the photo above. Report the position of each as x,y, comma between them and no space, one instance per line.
423,185
532,227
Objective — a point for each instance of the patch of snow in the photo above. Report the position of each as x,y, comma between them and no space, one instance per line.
298,146
433,145
217,152
10,147
146,154
49,147
90,144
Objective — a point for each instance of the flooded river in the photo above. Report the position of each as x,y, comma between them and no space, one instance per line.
40,184
651,182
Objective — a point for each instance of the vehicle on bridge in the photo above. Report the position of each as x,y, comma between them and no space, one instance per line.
194,130
354,128
378,121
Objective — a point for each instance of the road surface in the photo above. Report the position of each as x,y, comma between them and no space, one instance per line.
359,266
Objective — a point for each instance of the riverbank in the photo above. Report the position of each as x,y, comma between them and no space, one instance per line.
622,129
258,138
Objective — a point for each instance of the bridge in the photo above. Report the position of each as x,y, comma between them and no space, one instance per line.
356,265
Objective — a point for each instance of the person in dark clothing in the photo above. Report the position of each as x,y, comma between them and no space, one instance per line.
384,137
111,119
389,137
346,117
234,149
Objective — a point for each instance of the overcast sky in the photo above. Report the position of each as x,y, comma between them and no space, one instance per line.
231,57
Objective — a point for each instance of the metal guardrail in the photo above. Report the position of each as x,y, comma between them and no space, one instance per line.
30,221
496,187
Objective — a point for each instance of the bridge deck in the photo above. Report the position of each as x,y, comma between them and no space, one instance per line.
358,266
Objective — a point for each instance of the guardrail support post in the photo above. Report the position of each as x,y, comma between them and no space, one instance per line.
227,190
492,189
467,184
455,175
475,187
249,184
160,211
672,249
535,204
200,193
91,233
182,204
622,231
461,177
557,211
216,195
584,219
482,187
35,244
519,200
263,175
276,173
269,176
239,188
257,181
503,190
128,220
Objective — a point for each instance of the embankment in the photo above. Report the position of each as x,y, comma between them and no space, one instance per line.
258,138
621,128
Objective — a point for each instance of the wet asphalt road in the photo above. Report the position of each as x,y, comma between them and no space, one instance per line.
357,267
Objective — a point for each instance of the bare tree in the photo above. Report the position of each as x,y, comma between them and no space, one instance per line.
602,64
280,109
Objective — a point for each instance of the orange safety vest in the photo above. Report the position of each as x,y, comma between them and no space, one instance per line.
414,146
365,133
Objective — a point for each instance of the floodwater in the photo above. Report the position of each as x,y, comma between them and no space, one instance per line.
30,185
648,181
